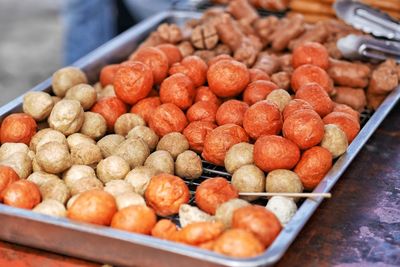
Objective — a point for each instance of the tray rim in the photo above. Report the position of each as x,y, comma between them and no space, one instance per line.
287,235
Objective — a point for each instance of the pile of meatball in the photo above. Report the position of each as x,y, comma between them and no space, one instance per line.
120,153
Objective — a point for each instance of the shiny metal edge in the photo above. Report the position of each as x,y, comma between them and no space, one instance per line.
164,253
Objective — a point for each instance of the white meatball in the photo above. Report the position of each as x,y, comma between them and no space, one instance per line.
284,208
51,207
128,199
190,214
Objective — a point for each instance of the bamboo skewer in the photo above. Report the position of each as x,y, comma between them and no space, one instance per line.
263,194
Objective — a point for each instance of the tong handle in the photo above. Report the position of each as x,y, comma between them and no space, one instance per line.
393,28
381,50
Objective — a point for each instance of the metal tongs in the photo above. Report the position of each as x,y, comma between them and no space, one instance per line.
371,21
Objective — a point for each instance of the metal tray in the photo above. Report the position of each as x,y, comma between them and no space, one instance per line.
107,245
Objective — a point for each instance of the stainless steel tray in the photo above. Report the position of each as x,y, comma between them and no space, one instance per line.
107,245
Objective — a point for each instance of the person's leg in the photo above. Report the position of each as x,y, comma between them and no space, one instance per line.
87,25
141,9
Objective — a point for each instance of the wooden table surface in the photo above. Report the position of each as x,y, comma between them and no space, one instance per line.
358,226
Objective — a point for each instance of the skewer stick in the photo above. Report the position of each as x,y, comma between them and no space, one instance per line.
270,194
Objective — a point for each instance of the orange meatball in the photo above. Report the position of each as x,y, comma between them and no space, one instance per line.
193,67
202,111
310,53
203,93
107,74
231,111
166,193
133,82
213,192
258,91
228,78
167,118
177,89
146,107
17,128
258,75
136,218
172,52
259,221
313,165
22,194
311,74
110,108
155,59
346,122
219,140
238,243
262,118
304,127
317,97
196,133
93,206
219,58
164,229
294,106
346,109
273,152
199,232
7,177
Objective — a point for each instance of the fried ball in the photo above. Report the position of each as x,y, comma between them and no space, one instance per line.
38,105
196,133
304,128
21,194
76,139
127,122
259,221
258,75
146,134
190,214
179,90
227,78
193,67
108,91
155,59
317,97
294,106
280,98
283,181
51,207
346,109
86,154
138,219
203,93
346,123
65,78
140,177
53,157
85,94
94,125
273,152
77,172
334,140
219,58
202,111
55,189
262,118
231,111
67,117
310,53
146,107
20,162
109,143
44,136
7,149
85,184
166,193
313,165
220,140
118,187
112,168
172,52
188,165
167,118
107,74
199,232
238,155
7,177
162,161
133,81
175,143
134,151
249,178
238,243
283,208
213,192
17,128
311,74
40,178
129,199
110,108
164,229
258,91
225,211
93,206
